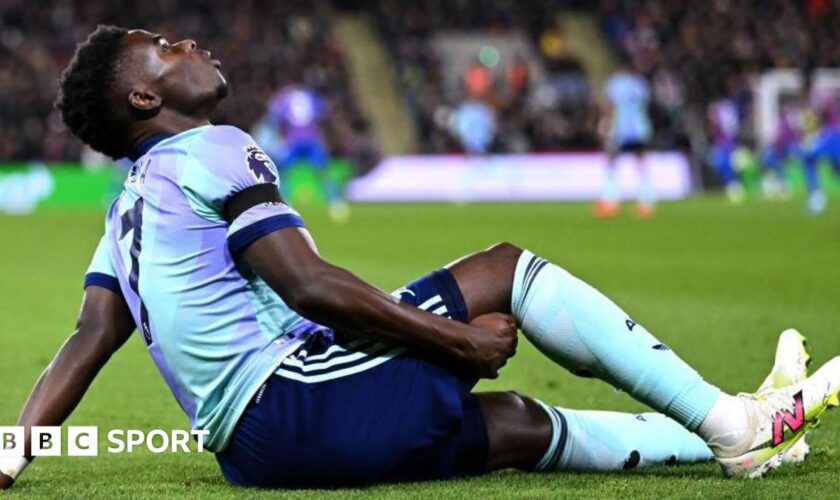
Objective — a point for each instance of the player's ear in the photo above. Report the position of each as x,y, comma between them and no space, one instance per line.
144,101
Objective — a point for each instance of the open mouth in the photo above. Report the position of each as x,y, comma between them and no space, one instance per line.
216,63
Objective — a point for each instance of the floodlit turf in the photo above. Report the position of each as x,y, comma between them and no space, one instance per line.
715,282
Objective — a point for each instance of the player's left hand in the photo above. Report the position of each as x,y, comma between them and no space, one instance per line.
495,321
498,342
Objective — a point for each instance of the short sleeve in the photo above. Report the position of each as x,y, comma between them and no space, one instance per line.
225,162
101,272
258,221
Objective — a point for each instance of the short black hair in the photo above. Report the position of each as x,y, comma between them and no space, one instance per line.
84,90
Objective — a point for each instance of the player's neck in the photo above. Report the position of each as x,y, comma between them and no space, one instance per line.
166,122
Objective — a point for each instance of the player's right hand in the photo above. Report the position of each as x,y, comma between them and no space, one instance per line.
494,341
5,482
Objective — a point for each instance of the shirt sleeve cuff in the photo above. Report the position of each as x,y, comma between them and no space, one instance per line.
103,280
243,237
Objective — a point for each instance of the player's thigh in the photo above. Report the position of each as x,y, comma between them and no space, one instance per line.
405,418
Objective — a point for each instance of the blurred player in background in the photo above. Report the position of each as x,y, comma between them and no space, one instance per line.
724,127
296,113
786,145
821,126
474,123
628,130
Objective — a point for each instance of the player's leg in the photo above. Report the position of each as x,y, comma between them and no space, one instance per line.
771,159
526,434
318,158
773,181
608,204
519,431
504,429
814,152
582,330
646,204
605,440
724,163
579,328
834,152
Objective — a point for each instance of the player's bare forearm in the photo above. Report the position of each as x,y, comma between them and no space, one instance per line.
336,298
339,299
103,327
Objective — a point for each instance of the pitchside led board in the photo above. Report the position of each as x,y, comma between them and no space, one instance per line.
521,177
559,176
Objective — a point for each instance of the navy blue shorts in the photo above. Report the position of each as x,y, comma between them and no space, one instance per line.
350,411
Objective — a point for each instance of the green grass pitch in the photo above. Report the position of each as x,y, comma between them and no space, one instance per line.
715,282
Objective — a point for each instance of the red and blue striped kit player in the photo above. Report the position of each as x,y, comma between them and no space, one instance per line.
787,141
297,112
725,124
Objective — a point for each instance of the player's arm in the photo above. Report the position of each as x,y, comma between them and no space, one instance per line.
231,179
104,325
334,297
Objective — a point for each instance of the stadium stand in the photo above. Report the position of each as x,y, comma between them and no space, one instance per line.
695,56
513,58
263,45
507,54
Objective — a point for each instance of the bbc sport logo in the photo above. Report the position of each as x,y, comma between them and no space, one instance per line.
83,441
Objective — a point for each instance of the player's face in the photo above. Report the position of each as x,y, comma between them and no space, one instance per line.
185,77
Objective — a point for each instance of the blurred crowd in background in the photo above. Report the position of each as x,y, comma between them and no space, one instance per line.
263,45
554,113
696,56
535,99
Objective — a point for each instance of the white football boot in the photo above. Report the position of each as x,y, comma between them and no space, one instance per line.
778,419
790,367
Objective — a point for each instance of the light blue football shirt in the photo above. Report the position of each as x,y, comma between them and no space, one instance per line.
629,95
215,330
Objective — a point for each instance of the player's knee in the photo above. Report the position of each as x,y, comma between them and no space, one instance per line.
522,408
515,401
504,251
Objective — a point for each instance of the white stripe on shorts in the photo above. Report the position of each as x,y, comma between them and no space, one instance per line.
361,360
312,379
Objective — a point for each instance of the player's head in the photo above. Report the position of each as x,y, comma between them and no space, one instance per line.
122,84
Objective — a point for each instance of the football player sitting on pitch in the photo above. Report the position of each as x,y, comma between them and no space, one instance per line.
302,373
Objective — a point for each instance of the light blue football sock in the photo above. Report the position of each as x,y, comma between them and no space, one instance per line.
612,190
611,441
579,328
647,192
